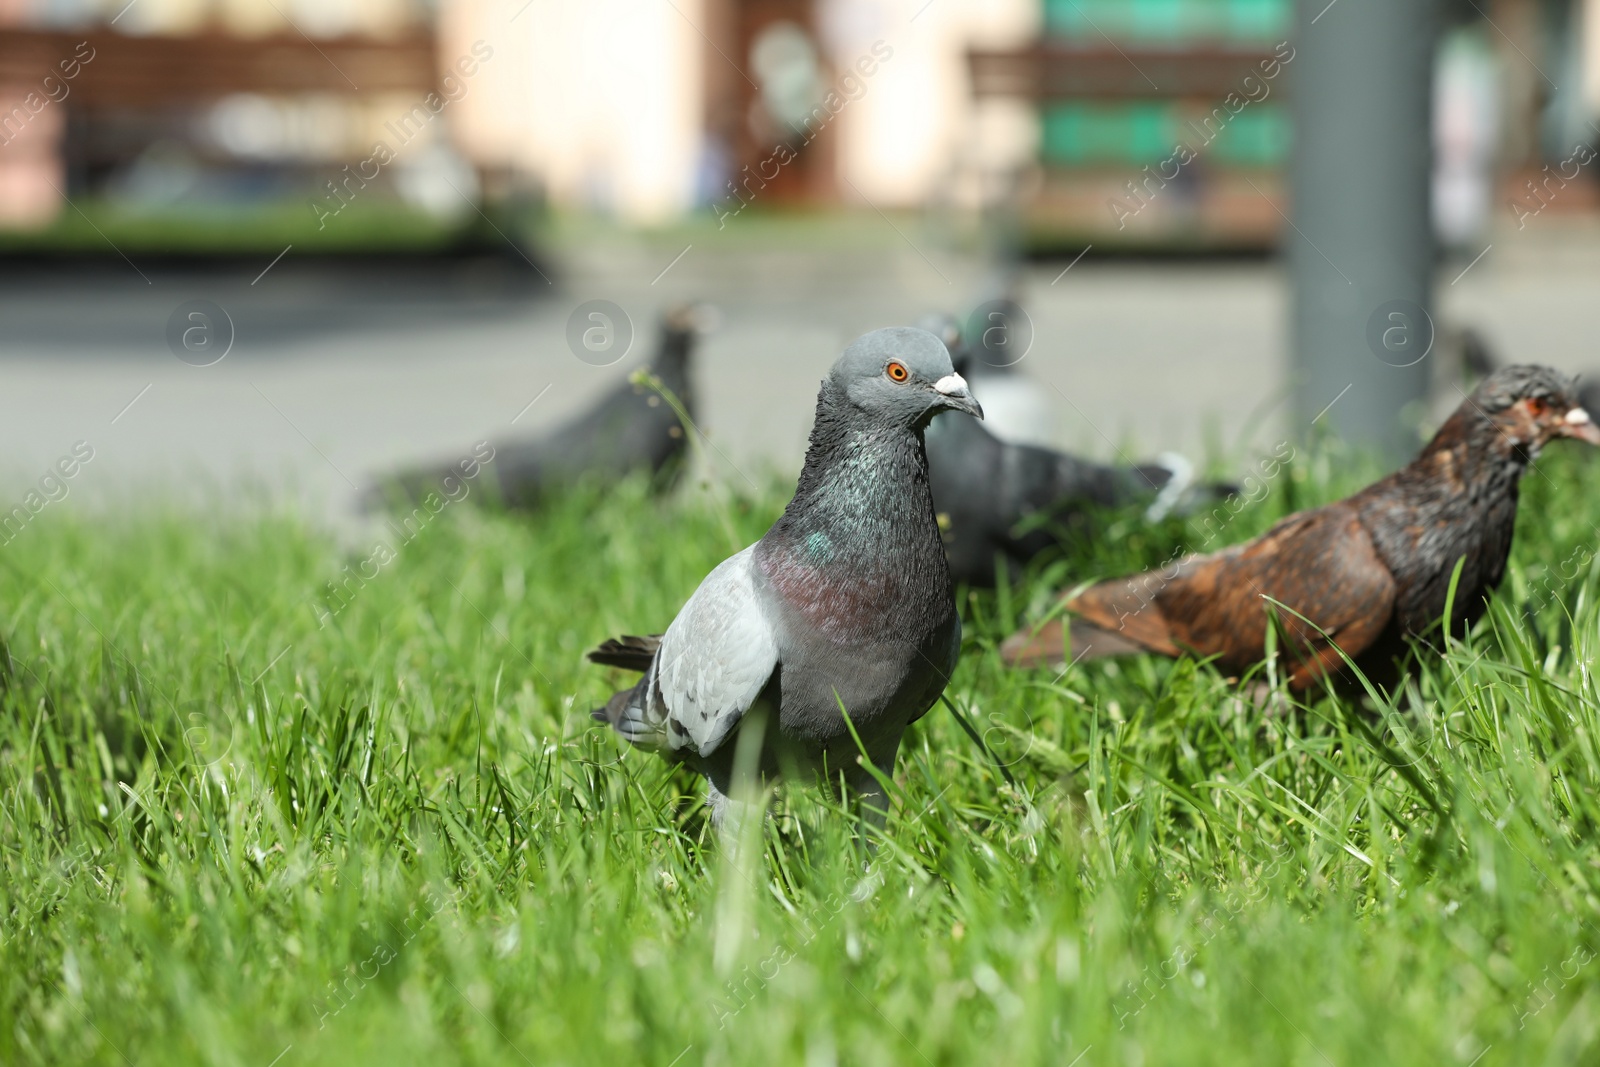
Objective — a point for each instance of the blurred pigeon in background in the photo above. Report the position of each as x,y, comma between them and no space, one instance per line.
1367,572
1477,361
987,350
998,498
844,603
630,428
1589,396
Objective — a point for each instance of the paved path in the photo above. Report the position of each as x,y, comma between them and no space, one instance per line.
336,374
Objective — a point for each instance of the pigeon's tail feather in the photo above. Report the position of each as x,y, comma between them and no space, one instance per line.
1128,608
1115,618
628,652
1034,647
1092,642
1181,493
1041,647
1180,476
624,715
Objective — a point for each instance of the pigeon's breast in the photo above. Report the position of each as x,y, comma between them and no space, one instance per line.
850,600
878,640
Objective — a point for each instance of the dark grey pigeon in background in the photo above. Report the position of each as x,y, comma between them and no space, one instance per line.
845,602
1016,408
1001,500
1589,395
630,428
1476,359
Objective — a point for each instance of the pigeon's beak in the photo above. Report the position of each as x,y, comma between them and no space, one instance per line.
953,388
1577,423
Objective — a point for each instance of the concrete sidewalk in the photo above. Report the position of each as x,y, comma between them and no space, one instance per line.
335,375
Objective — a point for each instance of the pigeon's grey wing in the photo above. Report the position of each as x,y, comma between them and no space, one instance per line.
714,661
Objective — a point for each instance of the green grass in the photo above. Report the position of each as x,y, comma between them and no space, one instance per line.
375,224
230,833
369,225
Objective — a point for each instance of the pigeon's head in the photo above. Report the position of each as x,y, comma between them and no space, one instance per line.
691,318
1531,405
902,375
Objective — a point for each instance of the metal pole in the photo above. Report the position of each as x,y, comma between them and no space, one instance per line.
1361,248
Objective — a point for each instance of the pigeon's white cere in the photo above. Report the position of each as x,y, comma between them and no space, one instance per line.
955,384
1577,416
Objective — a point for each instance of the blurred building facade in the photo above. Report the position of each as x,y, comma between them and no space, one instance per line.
648,110
639,110
1139,123
201,104
1122,122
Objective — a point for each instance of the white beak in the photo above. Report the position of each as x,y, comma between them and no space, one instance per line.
955,388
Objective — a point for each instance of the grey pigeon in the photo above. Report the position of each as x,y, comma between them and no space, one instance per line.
997,499
845,602
1478,360
1477,357
1016,408
630,428
1589,396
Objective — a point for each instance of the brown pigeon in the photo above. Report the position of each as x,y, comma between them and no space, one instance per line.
1368,571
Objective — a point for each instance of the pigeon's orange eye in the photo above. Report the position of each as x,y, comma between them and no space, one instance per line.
897,371
1537,407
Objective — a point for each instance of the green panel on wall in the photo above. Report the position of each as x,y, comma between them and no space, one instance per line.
1167,23
1080,133
1256,137
1257,19
1157,20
